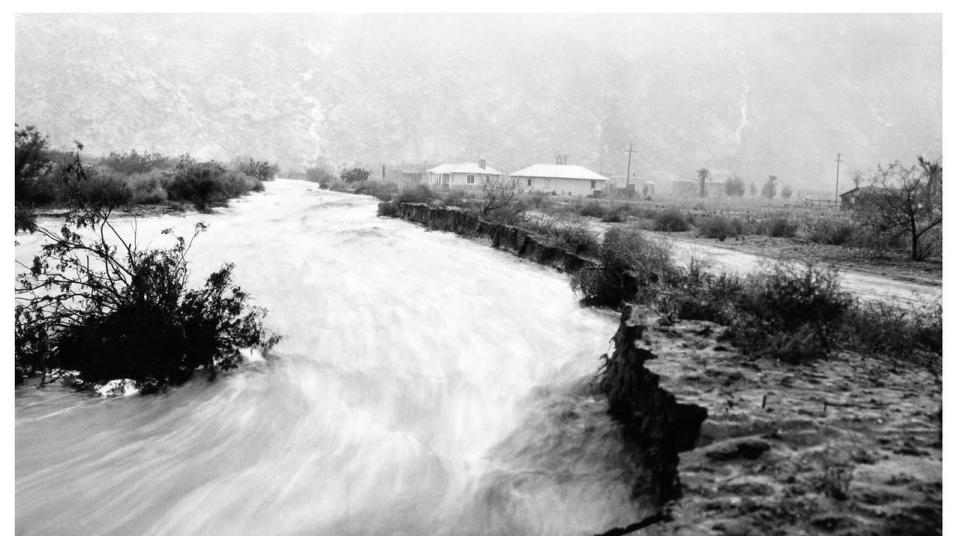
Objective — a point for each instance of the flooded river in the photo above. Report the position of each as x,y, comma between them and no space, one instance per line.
425,384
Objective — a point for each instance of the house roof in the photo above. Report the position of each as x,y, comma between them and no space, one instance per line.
559,171
466,167
862,188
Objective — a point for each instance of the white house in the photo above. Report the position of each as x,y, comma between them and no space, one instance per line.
561,179
468,174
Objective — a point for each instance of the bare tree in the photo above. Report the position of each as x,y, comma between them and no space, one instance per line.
906,201
498,194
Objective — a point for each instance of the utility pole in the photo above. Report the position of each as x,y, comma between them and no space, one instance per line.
629,158
836,192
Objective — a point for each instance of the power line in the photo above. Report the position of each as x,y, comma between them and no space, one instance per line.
836,193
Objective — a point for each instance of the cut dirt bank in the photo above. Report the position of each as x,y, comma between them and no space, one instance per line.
852,445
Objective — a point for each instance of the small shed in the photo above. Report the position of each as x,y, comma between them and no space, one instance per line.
850,199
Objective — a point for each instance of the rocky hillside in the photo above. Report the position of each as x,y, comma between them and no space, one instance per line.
750,95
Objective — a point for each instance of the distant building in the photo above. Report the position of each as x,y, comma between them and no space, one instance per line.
691,188
646,191
560,179
637,187
850,198
466,175
410,176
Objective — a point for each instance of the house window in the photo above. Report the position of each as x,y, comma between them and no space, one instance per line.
469,179
593,185
529,182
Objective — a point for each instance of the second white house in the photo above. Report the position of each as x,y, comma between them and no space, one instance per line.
560,179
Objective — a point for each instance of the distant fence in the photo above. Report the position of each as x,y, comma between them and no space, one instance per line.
819,203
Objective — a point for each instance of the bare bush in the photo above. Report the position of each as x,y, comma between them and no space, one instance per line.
906,201
500,198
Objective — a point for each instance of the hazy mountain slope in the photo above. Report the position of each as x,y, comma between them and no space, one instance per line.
737,94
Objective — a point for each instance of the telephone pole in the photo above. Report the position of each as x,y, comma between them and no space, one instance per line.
629,158
836,192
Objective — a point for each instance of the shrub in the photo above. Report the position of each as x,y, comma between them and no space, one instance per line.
909,333
698,294
134,163
780,227
236,183
500,200
577,239
197,183
672,221
721,227
791,313
420,193
628,261
384,191
617,214
147,188
320,175
38,191
573,237
103,190
833,232
129,313
455,197
354,175
540,200
388,208
592,209
258,169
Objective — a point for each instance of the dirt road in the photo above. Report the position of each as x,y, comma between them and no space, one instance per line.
870,286
864,284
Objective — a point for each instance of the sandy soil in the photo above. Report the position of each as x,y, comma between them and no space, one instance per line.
852,445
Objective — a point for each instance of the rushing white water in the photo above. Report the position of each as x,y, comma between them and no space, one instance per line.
425,384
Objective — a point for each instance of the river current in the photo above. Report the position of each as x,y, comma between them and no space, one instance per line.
425,384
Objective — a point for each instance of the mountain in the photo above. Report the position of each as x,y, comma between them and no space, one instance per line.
753,95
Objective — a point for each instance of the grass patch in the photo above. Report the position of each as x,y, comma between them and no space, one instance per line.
831,232
779,227
721,227
672,221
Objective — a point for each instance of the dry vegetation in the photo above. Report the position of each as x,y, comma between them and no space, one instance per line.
127,179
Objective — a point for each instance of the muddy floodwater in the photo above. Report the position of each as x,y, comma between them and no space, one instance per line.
425,384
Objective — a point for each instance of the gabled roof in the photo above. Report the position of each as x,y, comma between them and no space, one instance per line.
472,168
559,171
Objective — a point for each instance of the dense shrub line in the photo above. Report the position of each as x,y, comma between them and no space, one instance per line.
787,311
127,179
724,223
